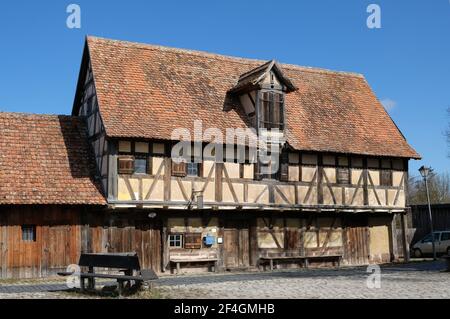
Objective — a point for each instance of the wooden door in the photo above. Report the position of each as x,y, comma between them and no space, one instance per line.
230,244
236,244
357,241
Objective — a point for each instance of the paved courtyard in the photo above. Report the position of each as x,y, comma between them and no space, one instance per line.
414,280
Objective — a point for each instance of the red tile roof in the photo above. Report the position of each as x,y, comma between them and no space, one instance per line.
147,91
46,159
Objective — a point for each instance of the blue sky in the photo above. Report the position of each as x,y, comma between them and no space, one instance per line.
407,61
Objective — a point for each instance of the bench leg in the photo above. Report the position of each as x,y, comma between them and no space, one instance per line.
120,287
271,265
178,268
91,281
306,263
82,286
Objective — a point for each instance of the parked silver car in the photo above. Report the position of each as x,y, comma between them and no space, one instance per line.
425,245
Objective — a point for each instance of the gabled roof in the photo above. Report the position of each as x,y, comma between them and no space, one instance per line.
252,79
147,91
45,159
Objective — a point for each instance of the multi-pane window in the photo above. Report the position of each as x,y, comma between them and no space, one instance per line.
192,169
29,233
176,241
271,112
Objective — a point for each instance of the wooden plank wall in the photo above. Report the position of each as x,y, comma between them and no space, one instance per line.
62,232
126,232
419,220
55,247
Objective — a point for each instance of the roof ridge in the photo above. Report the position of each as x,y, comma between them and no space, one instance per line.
35,115
146,46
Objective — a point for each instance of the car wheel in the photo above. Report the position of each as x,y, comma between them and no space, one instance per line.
417,253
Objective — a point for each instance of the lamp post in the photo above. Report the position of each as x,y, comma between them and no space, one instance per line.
425,172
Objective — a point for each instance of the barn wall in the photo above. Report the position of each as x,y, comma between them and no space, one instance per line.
57,241
419,220
62,232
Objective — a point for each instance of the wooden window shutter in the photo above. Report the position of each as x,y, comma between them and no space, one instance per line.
179,169
193,241
343,175
257,168
125,165
284,167
386,177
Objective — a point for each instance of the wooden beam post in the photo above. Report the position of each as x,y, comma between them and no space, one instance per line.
365,182
404,235
218,181
164,245
393,231
319,179
112,170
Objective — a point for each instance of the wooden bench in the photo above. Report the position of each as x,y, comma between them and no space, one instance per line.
127,263
179,261
304,259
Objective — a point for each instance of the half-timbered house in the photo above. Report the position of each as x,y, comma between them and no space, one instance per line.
104,179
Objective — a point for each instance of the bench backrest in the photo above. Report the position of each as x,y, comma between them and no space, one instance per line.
121,261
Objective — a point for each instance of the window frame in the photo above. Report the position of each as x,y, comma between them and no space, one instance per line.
198,174
133,156
180,240
26,230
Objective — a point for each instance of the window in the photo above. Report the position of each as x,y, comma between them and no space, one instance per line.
271,111
140,166
385,177
445,236
193,169
176,241
193,241
284,167
29,233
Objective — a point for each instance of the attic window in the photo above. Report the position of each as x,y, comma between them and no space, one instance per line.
271,110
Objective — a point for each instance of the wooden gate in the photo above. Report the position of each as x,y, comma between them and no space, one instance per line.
356,251
236,244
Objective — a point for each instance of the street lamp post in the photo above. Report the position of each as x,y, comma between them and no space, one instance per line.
425,171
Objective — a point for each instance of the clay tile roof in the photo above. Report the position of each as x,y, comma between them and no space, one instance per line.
45,159
147,91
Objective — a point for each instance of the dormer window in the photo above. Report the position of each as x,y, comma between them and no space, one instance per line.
272,110
261,94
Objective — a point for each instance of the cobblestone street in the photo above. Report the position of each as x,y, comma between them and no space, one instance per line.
415,280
